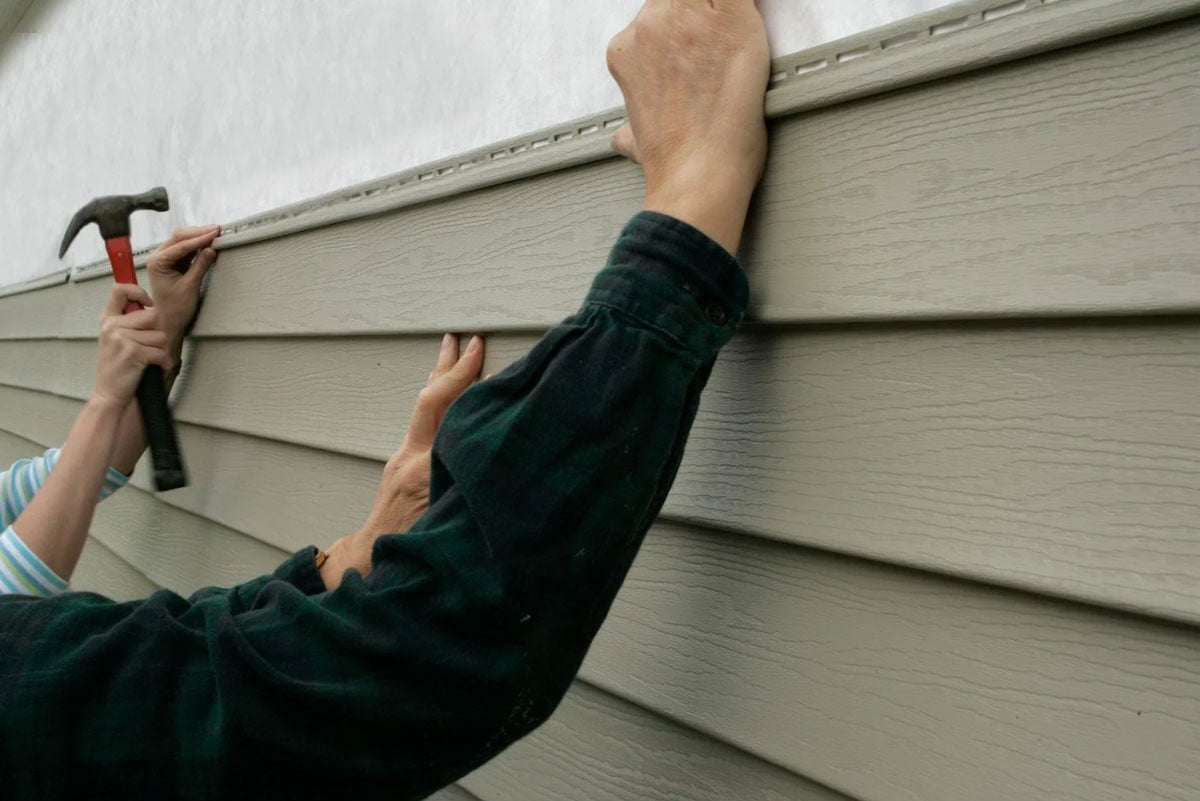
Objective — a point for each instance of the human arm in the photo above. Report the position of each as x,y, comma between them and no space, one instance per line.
54,522
466,631
175,272
21,570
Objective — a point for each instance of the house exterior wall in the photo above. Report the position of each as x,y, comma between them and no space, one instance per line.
936,532
242,105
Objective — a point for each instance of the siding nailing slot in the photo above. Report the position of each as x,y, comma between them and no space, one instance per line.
1003,11
812,66
541,143
950,26
898,41
850,55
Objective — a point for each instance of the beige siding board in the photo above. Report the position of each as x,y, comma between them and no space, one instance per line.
353,395
85,301
1055,457
600,748
38,314
36,416
1066,183
1048,25
102,571
453,793
180,551
286,495
50,365
826,650
890,684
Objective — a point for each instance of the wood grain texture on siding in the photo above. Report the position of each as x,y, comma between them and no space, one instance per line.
890,684
102,571
38,417
1066,183
453,793
865,677
178,550
37,314
601,748
1014,453
985,34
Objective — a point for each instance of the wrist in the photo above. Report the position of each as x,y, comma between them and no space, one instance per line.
712,199
105,406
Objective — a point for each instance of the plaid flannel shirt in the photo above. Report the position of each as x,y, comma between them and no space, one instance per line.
469,628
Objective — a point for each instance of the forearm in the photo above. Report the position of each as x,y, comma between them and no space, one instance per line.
131,435
130,442
55,523
468,629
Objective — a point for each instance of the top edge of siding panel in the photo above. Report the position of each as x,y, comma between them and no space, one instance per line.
958,38
34,284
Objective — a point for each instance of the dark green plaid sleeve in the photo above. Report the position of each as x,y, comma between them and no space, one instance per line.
469,628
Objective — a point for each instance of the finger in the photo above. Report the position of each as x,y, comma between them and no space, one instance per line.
150,337
148,355
625,143
142,320
436,398
178,251
122,295
468,367
448,355
188,232
200,266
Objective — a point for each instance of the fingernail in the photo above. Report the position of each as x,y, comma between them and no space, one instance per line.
476,343
446,342
214,228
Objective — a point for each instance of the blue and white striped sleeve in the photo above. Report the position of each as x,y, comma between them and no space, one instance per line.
21,571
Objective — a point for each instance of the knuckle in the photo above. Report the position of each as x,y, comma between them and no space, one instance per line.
427,397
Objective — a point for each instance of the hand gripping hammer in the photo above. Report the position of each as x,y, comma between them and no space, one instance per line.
111,214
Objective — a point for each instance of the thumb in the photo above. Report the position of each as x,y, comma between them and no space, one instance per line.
122,295
206,259
625,143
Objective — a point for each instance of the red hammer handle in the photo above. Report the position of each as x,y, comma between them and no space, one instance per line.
120,255
169,472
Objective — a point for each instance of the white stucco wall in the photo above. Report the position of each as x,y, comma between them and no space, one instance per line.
238,106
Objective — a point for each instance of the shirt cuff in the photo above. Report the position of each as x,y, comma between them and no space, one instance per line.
113,481
300,570
671,277
22,572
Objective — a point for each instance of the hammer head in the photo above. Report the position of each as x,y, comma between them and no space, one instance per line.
111,213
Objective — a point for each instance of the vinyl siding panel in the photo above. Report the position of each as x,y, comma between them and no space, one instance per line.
1066,183
1017,453
935,535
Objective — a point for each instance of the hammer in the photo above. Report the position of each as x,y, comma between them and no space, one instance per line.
111,214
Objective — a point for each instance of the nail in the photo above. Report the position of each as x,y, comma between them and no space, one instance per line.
446,341
476,343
